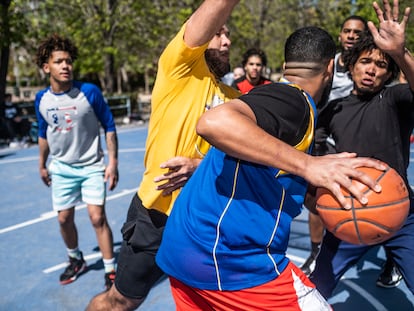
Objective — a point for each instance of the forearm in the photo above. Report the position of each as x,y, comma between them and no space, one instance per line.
207,20
406,64
112,147
43,152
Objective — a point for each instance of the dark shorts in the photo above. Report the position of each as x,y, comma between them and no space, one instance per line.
137,271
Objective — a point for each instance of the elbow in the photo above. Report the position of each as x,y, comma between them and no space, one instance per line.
202,127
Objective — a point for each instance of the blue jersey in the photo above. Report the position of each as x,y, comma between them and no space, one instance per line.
229,228
70,122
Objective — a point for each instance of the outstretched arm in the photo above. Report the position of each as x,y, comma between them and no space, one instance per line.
232,128
390,37
207,20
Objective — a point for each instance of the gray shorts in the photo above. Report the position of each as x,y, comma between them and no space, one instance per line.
142,232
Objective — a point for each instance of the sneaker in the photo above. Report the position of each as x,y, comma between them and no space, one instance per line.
109,279
390,276
309,265
75,268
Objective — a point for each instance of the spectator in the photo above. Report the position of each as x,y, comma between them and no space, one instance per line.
254,61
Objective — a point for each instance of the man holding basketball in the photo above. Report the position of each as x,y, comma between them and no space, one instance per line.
374,121
224,245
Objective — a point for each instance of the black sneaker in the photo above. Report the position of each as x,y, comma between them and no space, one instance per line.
75,268
109,279
309,265
390,276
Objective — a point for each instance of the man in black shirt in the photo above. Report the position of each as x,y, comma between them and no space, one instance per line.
373,121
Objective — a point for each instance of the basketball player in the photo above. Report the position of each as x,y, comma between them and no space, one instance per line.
224,245
374,121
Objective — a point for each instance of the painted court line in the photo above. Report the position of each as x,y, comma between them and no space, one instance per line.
64,264
52,214
35,158
367,296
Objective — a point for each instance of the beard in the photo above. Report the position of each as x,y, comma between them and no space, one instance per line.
217,62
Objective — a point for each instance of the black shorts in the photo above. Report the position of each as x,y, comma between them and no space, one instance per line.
137,271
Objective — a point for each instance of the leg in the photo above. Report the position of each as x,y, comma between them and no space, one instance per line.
137,271
68,228
401,249
103,231
334,259
316,230
390,276
65,195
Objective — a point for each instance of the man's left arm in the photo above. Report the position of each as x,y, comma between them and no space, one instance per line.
111,171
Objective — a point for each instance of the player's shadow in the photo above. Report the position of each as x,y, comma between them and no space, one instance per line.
361,291
98,264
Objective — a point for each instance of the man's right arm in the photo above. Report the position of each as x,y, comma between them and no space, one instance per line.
207,20
43,155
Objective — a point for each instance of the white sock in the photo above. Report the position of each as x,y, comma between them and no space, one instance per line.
74,253
109,264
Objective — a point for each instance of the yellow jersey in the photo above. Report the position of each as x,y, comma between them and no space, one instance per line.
184,89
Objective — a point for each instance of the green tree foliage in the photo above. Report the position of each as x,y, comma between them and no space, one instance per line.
120,40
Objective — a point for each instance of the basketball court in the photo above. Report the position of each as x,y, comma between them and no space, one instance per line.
33,254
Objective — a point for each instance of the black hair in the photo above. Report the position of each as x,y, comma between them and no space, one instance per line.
54,43
310,44
365,43
254,52
357,18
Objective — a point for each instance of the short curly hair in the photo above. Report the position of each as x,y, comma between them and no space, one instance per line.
366,43
254,52
55,43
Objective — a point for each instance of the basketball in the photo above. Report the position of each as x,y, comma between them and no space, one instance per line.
369,224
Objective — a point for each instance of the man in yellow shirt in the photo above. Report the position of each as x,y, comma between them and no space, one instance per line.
188,83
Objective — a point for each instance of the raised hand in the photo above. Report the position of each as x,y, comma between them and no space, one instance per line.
390,35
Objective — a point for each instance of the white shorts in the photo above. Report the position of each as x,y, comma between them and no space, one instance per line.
73,184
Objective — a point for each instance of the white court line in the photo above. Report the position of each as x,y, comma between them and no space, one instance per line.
26,159
367,296
52,214
64,264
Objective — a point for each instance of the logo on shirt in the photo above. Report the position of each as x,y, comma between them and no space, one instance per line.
62,118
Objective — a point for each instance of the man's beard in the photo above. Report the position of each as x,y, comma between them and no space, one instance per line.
217,61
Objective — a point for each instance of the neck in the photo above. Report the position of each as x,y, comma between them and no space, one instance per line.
60,87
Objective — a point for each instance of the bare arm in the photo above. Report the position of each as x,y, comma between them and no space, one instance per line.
390,36
43,155
111,171
232,128
207,20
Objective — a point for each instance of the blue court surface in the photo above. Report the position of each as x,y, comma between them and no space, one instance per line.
33,254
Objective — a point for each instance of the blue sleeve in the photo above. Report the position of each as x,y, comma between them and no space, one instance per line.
42,124
99,105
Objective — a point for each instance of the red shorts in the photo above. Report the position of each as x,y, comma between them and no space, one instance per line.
290,291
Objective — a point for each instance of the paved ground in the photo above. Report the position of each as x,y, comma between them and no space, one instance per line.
33,254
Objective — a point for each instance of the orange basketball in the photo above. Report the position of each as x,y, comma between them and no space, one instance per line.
368,224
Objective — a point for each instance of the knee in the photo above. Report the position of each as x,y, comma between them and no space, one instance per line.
113,300
98,220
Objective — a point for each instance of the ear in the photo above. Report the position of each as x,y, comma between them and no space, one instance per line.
46,68
330,69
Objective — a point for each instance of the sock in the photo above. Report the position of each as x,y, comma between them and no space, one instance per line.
315,249
74,253
109,264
